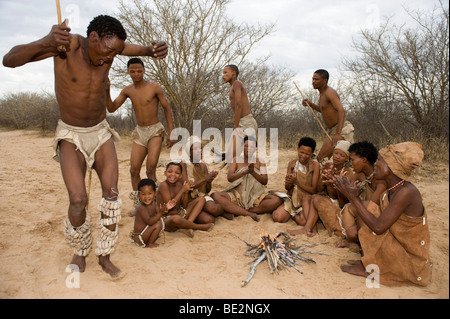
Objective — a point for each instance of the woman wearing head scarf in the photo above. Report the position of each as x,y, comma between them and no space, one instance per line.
395,238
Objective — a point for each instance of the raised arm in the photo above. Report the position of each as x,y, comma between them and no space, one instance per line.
262,176
158,50
40,49
232,175
387,217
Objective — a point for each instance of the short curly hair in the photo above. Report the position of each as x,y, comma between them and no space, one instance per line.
365,149
107,26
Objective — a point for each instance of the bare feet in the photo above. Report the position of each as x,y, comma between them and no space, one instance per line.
108,266
228,216
187,232
79,261
311,233
355,267
342,244
254,216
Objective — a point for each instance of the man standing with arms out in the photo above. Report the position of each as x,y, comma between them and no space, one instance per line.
149,132
84,140
333,114
244,123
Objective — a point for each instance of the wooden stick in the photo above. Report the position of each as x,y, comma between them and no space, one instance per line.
61,48
312,111
58,9
89,189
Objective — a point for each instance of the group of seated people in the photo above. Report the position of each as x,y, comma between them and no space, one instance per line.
349,194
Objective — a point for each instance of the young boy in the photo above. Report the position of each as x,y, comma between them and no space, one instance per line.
300,182
149,222
149,132
247,177
244,123
173,192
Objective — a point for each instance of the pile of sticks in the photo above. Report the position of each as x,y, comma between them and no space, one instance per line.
280,253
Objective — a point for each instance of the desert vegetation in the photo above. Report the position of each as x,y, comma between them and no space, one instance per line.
395,88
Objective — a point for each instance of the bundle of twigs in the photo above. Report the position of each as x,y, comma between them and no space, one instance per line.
280,253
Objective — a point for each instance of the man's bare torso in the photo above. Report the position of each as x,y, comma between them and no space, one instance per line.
80,86
145,102
329,113
245,105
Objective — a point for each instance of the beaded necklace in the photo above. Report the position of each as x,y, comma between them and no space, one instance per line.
396,185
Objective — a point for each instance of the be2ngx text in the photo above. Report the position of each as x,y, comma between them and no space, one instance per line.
233,308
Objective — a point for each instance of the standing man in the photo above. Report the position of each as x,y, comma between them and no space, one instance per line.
84,140
149,133
333,114
244,124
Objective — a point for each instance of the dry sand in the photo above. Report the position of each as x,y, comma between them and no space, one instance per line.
34,254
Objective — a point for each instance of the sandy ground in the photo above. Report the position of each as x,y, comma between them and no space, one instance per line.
34,254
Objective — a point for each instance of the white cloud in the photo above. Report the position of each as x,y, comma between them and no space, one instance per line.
309,35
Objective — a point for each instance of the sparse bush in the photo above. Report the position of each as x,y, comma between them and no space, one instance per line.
29,111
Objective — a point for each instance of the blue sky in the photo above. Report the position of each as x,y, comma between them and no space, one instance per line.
309,35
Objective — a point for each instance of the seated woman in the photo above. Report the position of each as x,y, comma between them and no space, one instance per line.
363,156
394,237
301,182
196,171
328,203
247,176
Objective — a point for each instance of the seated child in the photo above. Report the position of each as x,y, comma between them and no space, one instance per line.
149,222
174,193
301,182
247,176
196,170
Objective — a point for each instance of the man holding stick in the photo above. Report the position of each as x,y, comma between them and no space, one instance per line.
333,114
84,140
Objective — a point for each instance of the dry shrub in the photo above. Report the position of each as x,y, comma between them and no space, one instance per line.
29,111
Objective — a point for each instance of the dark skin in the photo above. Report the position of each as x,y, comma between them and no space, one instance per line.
223,199
363,169
404,199
211,209
148,213
81,80
238,102
305,153
146,96
332,111
174,192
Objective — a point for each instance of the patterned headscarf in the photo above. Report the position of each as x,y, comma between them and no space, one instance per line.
403,158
